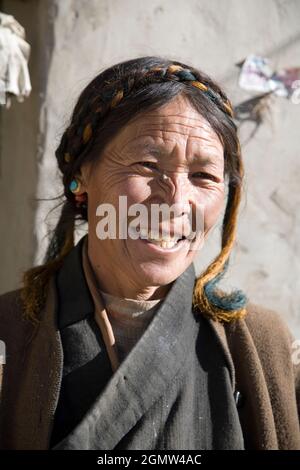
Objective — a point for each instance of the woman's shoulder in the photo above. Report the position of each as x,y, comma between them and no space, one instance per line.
263,332
12,322
267,331
262,320
264,336
10,303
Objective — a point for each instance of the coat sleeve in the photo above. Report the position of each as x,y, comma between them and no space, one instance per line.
279,355
12,328
295,346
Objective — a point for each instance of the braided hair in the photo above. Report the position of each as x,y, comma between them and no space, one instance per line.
107,104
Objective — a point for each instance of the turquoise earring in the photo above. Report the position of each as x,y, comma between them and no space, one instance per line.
74,186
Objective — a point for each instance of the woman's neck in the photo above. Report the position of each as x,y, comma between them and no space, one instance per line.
116,285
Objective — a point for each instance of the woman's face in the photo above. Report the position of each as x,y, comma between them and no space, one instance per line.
174,139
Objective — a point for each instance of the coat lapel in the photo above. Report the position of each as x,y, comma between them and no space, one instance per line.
145,373
220,333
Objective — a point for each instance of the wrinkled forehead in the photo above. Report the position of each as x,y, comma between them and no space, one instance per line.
175,122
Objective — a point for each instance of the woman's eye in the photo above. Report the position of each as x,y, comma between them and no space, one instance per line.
203,175
150,165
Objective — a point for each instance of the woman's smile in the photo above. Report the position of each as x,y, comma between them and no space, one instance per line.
165,247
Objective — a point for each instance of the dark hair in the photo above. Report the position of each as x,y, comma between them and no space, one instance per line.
108,102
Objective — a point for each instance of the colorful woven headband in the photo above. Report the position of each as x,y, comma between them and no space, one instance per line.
114,92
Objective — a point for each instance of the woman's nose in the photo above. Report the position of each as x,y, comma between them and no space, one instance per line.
176,190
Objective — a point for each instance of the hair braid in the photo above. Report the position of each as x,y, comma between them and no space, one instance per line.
215,303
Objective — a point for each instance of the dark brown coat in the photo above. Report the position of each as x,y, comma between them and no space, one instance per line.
258,350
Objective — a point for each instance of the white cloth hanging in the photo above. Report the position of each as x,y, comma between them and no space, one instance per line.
14,56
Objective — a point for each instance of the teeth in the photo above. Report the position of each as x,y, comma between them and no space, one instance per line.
154,237
163,244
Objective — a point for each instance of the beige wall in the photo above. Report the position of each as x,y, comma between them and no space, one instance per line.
83,37
18,154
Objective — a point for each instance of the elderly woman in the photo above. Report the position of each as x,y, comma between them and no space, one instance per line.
114,343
